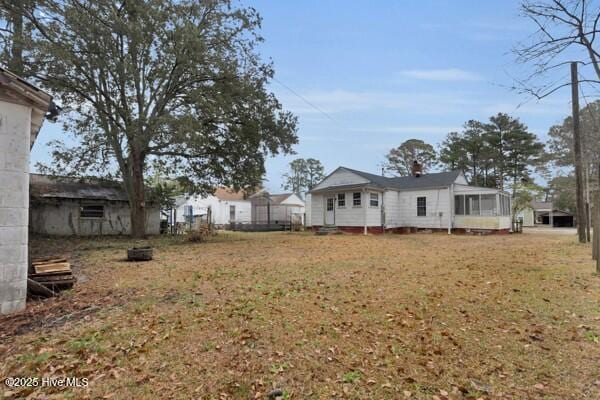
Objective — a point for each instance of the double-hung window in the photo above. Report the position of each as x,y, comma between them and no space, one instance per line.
341,200
421,206
356,199
374,199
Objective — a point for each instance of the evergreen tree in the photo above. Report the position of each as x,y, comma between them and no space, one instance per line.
400,159
493,153
303,175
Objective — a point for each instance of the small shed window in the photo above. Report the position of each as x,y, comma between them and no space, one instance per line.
374,200
356,199
341,197
421,206
92,212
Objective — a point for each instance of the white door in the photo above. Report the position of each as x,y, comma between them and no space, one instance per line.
330,211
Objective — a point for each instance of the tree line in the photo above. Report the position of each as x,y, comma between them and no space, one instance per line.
496,153
502,153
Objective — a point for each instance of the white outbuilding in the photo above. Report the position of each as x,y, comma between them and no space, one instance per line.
225,206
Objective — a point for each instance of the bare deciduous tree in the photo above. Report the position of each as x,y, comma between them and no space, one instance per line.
566,35
566,32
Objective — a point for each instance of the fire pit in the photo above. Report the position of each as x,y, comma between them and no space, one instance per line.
139,254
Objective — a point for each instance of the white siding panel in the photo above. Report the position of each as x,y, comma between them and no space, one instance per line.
347,215
392,209
308,218
316,209
350,215
459,189
437,209
341,177
461,180
219,209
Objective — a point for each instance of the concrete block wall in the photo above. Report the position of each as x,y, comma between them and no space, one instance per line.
15,124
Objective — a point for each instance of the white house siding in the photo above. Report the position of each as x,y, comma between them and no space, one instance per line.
348,215
465,189
437,203
392,209
528,217
219,209
316,209
15,123
341,177
307,210
221,213
63,219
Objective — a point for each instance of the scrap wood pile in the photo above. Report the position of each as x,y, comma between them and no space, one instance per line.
50,275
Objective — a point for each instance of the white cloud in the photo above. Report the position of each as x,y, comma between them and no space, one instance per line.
448,74
340,101
409,129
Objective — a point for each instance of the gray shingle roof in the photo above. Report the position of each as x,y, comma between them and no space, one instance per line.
44,186
439,179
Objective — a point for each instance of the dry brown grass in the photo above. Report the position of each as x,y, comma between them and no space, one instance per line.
378,317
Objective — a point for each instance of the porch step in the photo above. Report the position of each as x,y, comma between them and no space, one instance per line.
327,230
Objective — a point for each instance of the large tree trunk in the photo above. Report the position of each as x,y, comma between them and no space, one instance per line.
15,64
578,157
137,197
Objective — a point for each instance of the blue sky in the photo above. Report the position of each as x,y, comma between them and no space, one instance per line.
383,72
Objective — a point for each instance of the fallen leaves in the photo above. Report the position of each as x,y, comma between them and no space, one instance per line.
435,318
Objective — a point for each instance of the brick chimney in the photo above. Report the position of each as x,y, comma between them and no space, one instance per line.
417,169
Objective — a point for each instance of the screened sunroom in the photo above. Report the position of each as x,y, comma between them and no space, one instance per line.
481,208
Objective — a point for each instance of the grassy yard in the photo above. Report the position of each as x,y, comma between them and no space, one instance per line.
424,316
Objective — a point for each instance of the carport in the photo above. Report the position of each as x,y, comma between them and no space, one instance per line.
557,218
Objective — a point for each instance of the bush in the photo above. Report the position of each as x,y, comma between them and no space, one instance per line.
200,234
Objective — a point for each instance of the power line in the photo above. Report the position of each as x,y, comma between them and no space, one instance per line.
305,100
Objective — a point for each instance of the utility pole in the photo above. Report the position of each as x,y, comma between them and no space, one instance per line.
582,219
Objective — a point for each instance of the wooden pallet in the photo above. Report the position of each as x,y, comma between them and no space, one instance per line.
52,273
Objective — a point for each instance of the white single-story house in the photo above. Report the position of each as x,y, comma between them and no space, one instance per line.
356,201
68,206
225,206
23,109
541,213
281,208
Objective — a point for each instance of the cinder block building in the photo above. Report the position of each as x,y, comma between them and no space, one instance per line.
23,108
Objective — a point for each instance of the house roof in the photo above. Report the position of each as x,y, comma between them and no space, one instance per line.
541,205
439,179
279,198
46,186
274,198
547,206
229,194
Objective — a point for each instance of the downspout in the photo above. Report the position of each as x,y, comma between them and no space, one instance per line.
366,210
383,217
450,207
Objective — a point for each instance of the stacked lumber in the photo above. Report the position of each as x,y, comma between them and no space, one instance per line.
53,273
